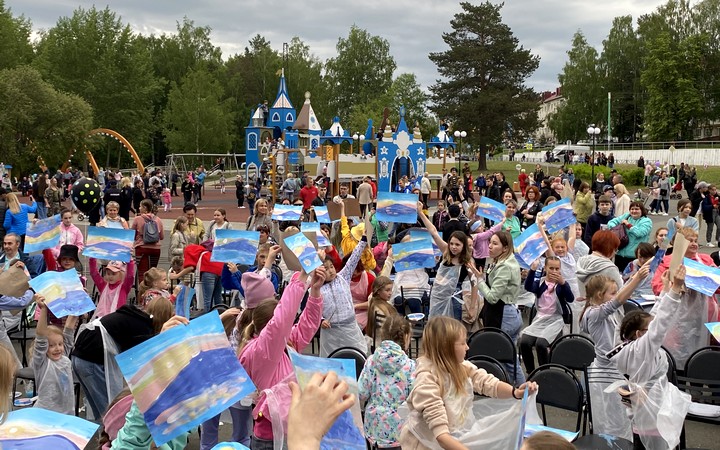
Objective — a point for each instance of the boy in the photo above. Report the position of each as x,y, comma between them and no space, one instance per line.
600,217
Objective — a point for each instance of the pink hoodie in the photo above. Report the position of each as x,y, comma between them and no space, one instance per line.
481,242
264,357
69,235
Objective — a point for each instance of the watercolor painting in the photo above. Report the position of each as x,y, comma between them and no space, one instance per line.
490,209
229,446
314,227
184,376
286,212
396,207
714,328
64,293
43,234
701,278
114,244
347,431
531,429
304,250
235,246
415,254
321,214
417,233
558,216
530,245
657,259
183,301
31,428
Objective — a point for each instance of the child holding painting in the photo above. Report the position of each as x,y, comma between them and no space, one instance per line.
114,285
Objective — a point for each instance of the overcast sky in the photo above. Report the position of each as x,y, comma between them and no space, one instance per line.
412,27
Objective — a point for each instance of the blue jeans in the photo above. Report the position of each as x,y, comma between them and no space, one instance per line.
413,304
41,210
91,377
242,426
211,289
511,324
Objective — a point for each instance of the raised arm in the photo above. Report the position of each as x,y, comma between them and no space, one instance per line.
624,294
573,236
442,245
95,275
304,331
541,227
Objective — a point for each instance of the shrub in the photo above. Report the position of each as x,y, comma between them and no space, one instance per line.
631,177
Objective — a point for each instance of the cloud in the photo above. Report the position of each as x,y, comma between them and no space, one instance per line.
413,28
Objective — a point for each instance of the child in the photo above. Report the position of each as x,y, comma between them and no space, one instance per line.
167,200
481,239
155,284
597,219
382,289
655,203
69,233
511,223
599,321
8,365
643,253
644,363
114,285
385,383
553,295
440,402
440,217
112,219
581,248
414,281
51,362
222,182
231,276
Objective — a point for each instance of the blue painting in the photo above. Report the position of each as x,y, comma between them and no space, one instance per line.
42,234
37,428
657,259
314,227
416,234
183,301
229,446
321,214
286,212
304,250
558,216
531,429
490,209
530,245
415,254
396,207
114,244
701,278
64,293
184,376
236,246
346,432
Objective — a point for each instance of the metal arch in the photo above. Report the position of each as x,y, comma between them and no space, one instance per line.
107,132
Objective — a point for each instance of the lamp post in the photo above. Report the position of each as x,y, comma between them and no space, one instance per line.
357,138
593,131
461,135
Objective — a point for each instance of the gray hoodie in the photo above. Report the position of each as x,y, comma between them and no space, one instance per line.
591,265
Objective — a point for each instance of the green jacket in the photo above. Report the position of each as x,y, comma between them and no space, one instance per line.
639,232
381,228
135,434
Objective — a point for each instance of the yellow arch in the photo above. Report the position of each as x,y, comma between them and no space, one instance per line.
106,132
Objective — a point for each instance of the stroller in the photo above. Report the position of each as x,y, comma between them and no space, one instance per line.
676,191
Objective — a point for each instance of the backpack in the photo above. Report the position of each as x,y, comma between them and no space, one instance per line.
151,233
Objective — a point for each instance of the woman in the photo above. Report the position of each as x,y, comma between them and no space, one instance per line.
240,191
664,186
148,237
39,192
499,289
637,227
622,200
178,237
54,198
425,189
138,195
126,198
660,236
16,216
523,180
261,216
584,203
538,174
530,208
219,222
683,219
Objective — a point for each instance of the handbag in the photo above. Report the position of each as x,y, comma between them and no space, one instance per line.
619,231
663,192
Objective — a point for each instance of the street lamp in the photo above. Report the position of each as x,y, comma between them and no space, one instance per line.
357,138
593,131
461,135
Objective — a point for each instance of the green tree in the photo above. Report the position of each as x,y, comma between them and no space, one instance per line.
482,90
196,119
15,37
94,55
304,73
362,70
583,92
38,121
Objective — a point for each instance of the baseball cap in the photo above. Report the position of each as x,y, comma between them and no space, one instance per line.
116,266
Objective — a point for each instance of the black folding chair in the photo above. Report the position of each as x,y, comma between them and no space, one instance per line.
23,334
495,343
491,366
378,319
351,353
560,389
576,352
702,380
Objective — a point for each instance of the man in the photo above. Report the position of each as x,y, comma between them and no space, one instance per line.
502,184
344,193
196,229
11,255
308,193
597,219
364,195
320,199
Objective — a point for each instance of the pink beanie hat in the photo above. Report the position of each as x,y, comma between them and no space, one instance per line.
257,288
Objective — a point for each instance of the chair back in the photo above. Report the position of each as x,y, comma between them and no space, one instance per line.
416,293
560,389
491,366
672,367
704,364
351,353
492,342
574,351
532,314
378,322
631,305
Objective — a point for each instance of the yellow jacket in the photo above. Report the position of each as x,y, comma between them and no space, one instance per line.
349,243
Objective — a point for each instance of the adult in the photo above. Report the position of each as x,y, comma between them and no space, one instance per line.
344,193
710,204
599,185
538,175
583,204
684,219
69,233
219,222
200,182
187,187
637,227
3,210
11,254
622,200
196,229
523,180
38,189
98,342
530,208
8,303
689,333
126,198
289,187
16,216
665,189
240,191
138,195
697,196
53,198
365,194
148,236
605,245
308,193
262,215
454,223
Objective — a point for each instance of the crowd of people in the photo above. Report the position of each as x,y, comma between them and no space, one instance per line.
580,285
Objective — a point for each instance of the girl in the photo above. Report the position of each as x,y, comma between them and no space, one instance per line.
660,235
440,217
222,182
644,253
263,348
385,383
414,281
178,237
599,322
361,288
219,222
684,219
452,273
553,295
643,361
16,217
655,196
155,284
166,199
231,276
382,289
69,233
512,224
481,240
112,219
8,365
500,291
440,402
51,362
114,285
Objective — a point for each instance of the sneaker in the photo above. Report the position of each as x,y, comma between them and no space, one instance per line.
664,214
710,244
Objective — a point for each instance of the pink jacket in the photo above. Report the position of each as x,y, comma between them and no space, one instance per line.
481,242
69,235
265,358
101,284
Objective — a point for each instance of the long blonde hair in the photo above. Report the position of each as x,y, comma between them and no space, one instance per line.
7,374
595,290
438,344
160,311
252,321
12,202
